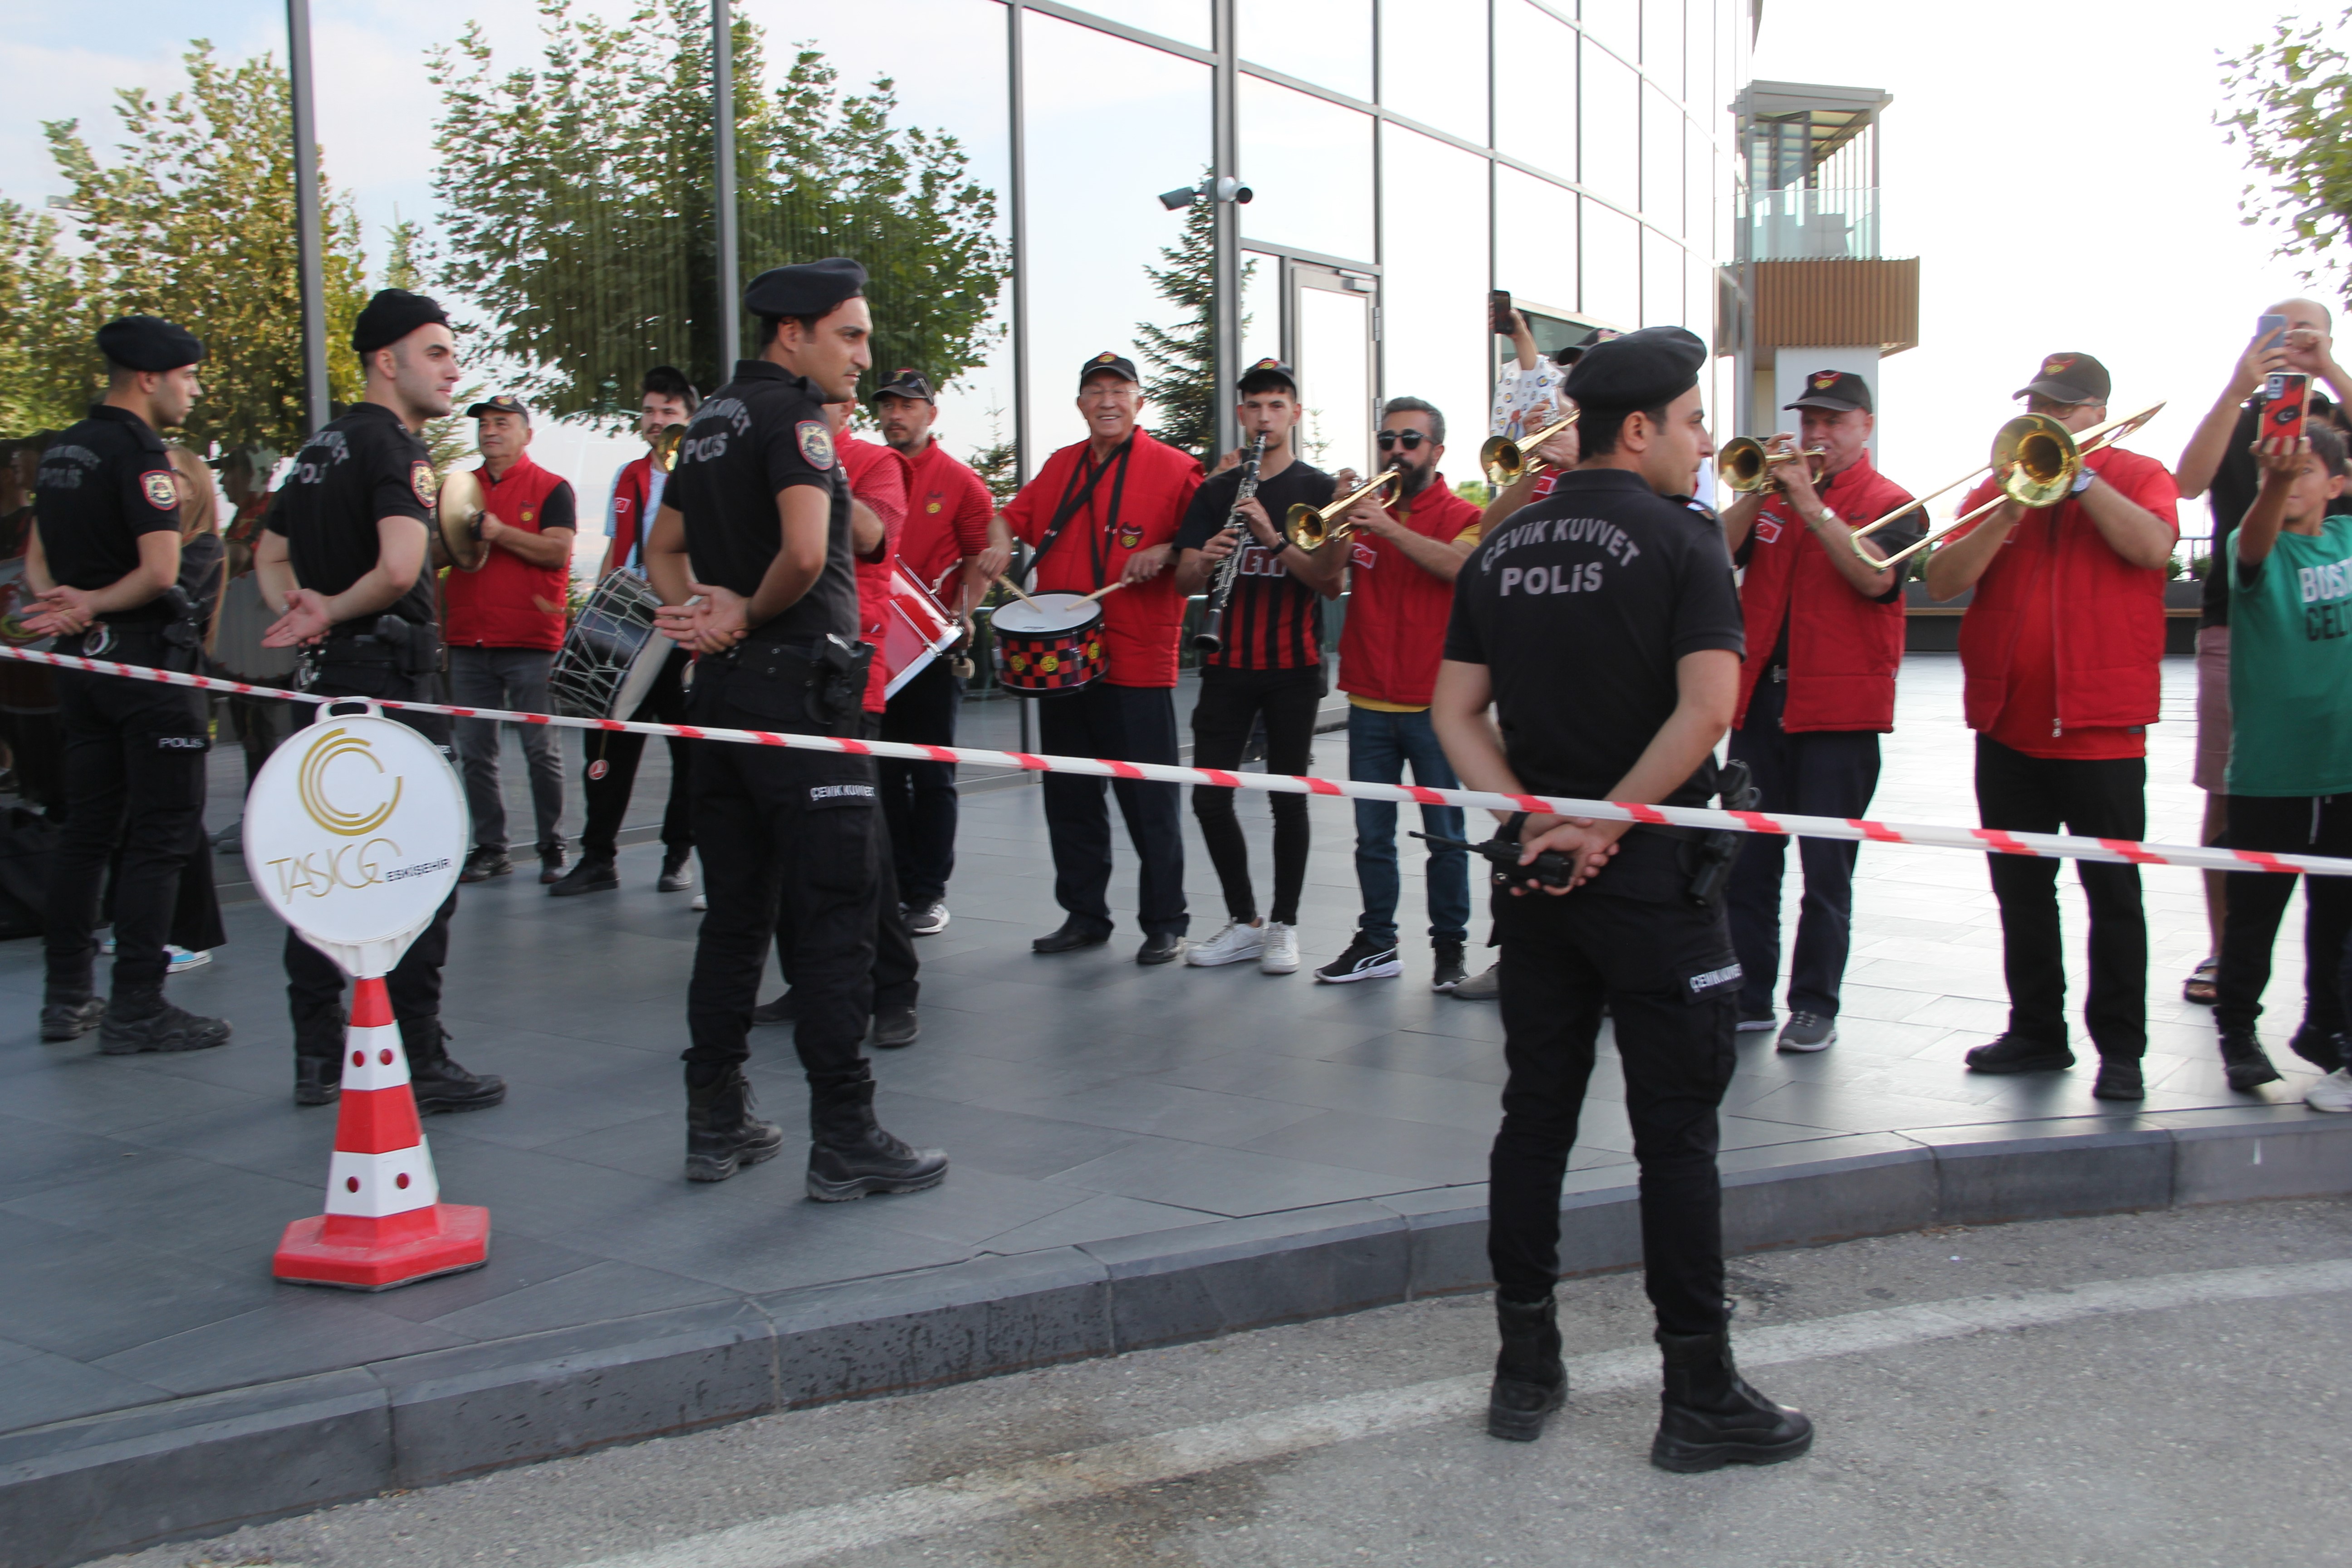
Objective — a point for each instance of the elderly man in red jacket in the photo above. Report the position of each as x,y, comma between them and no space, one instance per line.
2060,648
1816,691
504,624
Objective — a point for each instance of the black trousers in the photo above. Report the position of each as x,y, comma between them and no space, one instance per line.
895,967
2103,799
609,771
1231,700
919,799
776,826
1817,774
2298,824
1667,974
135,781
1132,724
314,985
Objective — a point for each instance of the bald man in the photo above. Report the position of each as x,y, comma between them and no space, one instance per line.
2219,464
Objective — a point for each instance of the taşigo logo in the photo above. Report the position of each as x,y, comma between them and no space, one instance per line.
336,743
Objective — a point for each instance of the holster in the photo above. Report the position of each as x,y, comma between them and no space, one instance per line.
1705,854
402,646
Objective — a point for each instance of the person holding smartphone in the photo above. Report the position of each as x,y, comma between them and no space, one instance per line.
2219,464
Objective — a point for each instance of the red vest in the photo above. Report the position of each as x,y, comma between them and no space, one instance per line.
877,475
1843,650
509,603
1395,633
2106,616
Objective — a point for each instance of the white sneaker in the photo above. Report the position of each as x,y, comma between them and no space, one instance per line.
2333,1092
1281,955
176,960
1231,944
700,905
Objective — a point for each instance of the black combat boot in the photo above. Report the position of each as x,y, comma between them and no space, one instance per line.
71,1017
319,1038
721,1134
144,1021
1529,1381
1711,1418
850,1155
439,1083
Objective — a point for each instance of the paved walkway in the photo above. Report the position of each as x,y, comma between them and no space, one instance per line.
1083,1099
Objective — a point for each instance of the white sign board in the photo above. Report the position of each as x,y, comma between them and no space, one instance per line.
354,834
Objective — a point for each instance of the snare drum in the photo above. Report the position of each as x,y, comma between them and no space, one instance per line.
1051,643
611,656
916,630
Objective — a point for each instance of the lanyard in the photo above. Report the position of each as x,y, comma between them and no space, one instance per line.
1069,504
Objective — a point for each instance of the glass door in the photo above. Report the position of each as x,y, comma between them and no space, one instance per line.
1333,320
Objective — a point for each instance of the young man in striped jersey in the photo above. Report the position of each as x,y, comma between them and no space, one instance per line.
1269,663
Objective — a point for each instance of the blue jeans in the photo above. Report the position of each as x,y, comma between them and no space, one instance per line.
1379,747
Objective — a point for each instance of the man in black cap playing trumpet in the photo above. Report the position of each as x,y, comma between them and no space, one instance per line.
1615,587
751,554
105,563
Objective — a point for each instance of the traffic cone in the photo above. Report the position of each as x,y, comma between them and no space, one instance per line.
385,1223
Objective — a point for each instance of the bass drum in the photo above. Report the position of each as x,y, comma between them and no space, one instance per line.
238,652
611,656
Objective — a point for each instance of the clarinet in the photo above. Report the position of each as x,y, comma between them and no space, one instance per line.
1211,636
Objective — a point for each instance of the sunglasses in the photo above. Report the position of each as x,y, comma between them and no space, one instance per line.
1408,440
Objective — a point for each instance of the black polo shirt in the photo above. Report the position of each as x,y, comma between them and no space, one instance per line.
1273,621
103,483
755,438
364,466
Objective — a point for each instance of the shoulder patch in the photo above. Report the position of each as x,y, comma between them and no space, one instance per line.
162,493
817,443
421,480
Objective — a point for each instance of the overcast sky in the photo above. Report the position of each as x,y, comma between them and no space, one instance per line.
2056,168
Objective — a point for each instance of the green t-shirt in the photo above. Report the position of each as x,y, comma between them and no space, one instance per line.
2291,667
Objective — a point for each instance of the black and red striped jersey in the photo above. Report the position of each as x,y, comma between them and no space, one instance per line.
1274,621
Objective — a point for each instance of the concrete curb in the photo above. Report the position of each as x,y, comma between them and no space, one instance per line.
201,1465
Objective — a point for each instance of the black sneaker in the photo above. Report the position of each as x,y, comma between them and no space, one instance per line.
2243,1062
1753,1022
2120,1079
71,1020
2321,1049
442,1085
484,863
591,874
550,864
163,1027
895,1025
318,1080
1448,972
676,872
782,1010
927,919
2014,1053
1364,959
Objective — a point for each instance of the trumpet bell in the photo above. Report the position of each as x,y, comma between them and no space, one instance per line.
1505,462
2036,459
665,446
457,510
1744,465
1311,528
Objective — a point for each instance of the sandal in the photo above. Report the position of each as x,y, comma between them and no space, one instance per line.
2202,987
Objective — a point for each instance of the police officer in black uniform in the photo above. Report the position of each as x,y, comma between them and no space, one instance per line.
751,554
345,559
105,562
1602,627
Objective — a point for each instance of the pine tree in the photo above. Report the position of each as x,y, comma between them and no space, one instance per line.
1180,374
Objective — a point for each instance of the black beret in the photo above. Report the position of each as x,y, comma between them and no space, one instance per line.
148,342
1640,370
812,288
391,316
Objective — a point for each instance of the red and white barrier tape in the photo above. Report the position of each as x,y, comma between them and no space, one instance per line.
1999,841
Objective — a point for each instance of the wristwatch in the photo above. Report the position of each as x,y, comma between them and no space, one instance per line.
2083,481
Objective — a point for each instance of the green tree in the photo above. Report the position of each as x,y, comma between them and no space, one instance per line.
577,201
1181,362
196,224
39,387
2291,97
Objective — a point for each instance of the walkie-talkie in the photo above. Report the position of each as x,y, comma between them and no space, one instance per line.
1551,868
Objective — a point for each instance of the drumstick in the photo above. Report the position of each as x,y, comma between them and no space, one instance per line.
1017,592
1108,588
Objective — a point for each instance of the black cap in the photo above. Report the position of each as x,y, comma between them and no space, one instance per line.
391,316
1839,391
1640,370
2069,378
1118,365
812,288
1267,372
910,383
1575,350
148,342
504,403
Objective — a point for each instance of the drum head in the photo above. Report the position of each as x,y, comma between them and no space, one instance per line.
638,684
1047,615
601,653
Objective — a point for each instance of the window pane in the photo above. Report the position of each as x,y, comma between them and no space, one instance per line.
1335,340
1612,131
1617,22
1186,21
1535,240
1094,227
1535,86
1433,64
1662,43
1662,303
1327,42
1310,165
1698,192
1612,265
1438,339
1662,160
1261,306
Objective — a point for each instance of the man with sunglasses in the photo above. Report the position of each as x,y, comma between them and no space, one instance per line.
1403,557
2060,648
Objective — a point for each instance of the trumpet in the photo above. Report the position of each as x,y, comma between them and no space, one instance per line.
1311,528
1508,462
2035,460
664,448
1745,464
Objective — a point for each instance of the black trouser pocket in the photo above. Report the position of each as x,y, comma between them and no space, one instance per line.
836,807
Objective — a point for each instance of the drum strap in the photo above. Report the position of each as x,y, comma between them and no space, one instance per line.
1071,504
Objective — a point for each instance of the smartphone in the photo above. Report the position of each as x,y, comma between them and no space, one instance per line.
1499,303
2267,327
2287,395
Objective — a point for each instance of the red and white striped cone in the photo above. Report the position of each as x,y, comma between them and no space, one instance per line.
385,1223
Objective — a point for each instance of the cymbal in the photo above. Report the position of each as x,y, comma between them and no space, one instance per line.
459,509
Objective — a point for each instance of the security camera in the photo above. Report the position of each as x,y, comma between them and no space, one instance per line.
1177,200
1231,190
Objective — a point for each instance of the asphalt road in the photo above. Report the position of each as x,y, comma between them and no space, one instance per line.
2153,1388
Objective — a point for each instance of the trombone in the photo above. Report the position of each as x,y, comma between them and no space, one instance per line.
1508,462
2035,460
1745,464
1311,528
